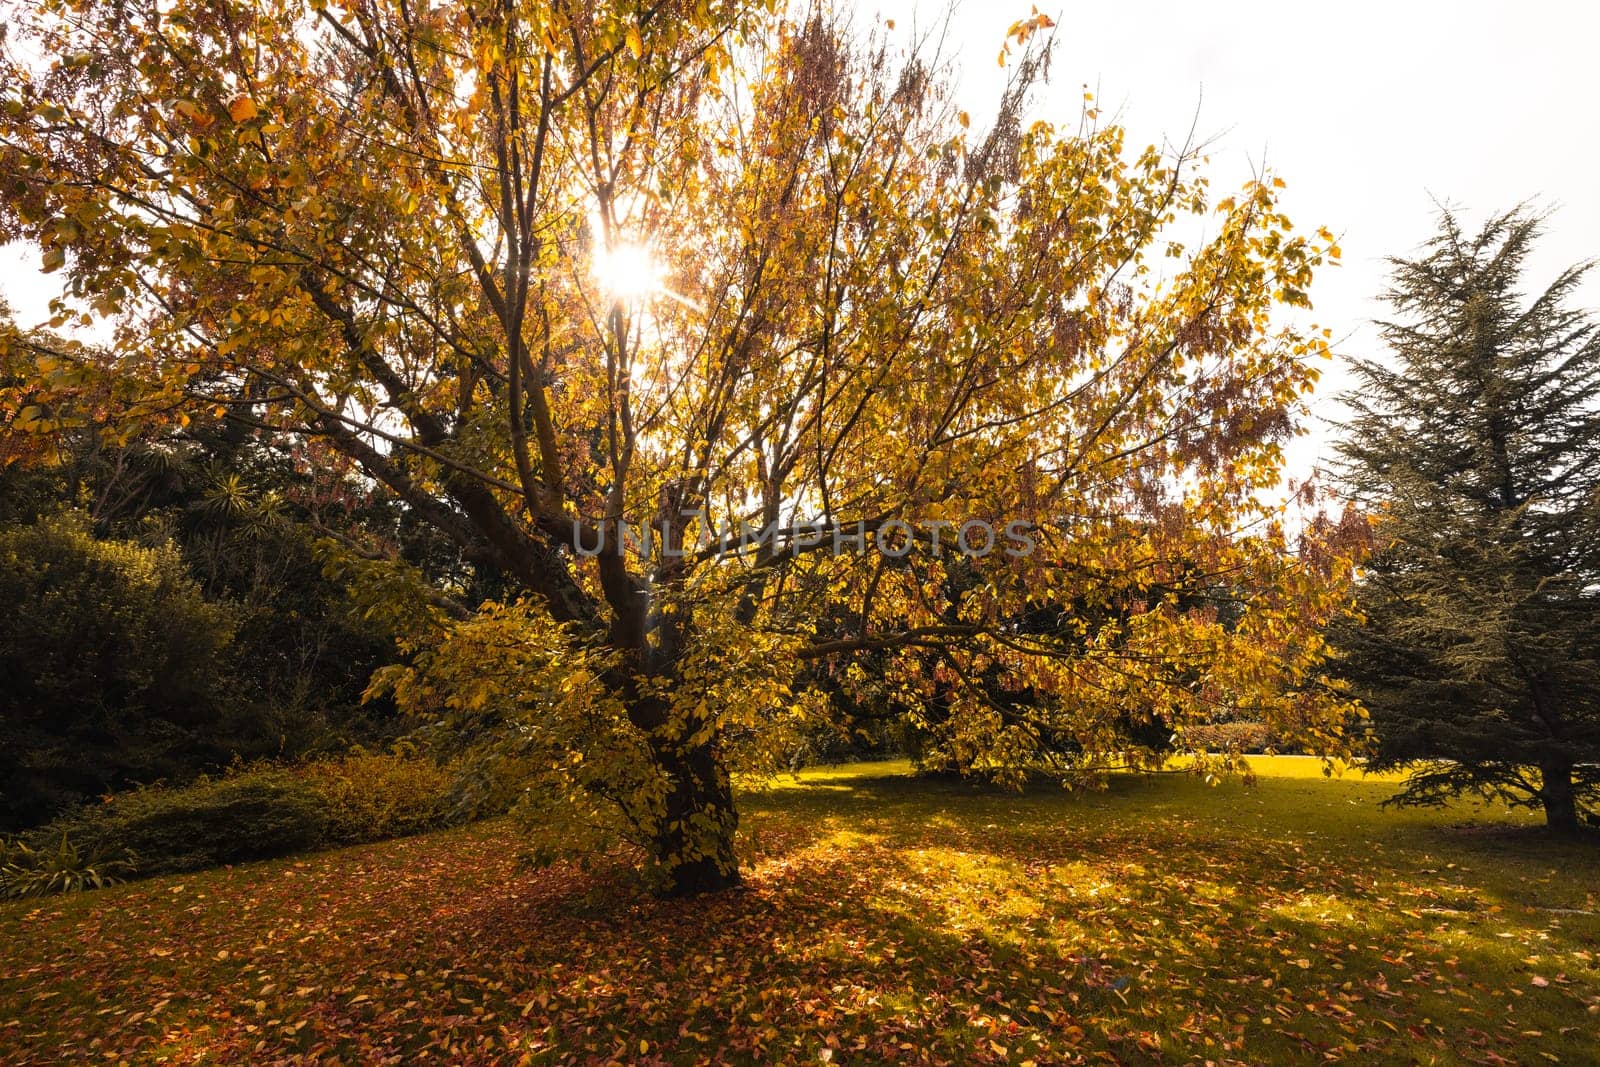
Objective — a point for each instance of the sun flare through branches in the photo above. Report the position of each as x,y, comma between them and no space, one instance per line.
628,272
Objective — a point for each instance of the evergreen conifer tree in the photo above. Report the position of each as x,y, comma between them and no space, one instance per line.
1477,454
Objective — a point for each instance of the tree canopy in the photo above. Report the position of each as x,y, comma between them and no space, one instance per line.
541,269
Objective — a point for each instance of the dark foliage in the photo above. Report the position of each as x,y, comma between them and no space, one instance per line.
112,668
205,824
103,687
258,812
1477,453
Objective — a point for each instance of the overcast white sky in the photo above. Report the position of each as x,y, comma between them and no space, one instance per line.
1369,110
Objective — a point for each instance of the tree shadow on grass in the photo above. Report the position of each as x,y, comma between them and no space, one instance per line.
922,942
945,955
894,921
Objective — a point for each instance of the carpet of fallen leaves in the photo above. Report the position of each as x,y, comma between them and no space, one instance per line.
885,920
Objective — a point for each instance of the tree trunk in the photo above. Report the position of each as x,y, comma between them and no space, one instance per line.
694,844
1560,804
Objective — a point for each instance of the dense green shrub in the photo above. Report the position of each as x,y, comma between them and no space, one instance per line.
111,667
260,812
249,524
252,815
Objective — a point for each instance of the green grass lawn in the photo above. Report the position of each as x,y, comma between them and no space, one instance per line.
885,919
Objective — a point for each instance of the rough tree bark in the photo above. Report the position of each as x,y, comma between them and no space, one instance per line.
694,844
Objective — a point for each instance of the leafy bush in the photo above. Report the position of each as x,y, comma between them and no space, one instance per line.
370,796
111,668
259,812
250,815
26,871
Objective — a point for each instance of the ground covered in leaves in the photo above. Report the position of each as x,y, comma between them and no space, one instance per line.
886,920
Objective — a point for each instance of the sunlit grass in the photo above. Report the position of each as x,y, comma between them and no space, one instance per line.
885,919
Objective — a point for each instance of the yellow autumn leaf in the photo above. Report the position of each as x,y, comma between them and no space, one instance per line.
243,109
635,45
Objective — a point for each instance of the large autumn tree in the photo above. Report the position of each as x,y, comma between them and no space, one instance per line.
541,267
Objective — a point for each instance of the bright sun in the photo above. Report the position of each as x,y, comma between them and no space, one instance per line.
628,272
